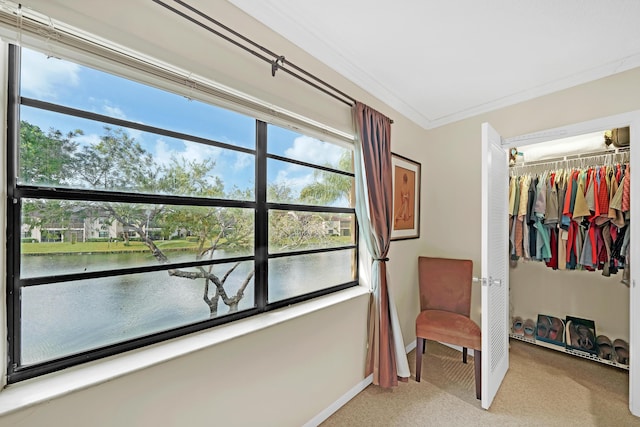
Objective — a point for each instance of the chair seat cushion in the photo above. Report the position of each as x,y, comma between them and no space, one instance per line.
450,328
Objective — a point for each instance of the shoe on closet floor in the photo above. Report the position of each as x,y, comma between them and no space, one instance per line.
581,335
556,332
518,326
529,328
605,347
543,327
621,349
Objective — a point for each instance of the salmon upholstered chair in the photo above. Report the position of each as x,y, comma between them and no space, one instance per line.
445,304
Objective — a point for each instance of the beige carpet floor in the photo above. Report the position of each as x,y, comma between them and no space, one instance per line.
542,388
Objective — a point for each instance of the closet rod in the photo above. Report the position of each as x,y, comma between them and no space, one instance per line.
617,151
278,62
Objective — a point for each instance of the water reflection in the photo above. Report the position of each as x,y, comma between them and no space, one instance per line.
66,318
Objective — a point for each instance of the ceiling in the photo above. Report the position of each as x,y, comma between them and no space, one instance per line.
438,61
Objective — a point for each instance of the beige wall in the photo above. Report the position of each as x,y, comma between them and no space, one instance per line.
536,289
284,375
452,205
287,374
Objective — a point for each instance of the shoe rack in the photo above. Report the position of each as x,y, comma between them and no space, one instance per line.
573,352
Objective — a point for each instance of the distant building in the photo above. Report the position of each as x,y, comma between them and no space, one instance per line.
80,231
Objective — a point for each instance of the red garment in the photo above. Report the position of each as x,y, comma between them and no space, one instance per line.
594,249
573,226
603,194
571,241
602,250
589,177
519,236
553,261
566,209
626,194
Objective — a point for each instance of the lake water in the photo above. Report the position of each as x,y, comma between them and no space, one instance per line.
65,318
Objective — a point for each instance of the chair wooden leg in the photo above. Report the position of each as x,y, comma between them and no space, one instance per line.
419,346
477,367
464,354
424,345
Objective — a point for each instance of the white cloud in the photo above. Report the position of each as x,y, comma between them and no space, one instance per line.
191,151
105,107
136,134
309,150
41,76
295,182
242,161
163,152
114,112
314,151
88,139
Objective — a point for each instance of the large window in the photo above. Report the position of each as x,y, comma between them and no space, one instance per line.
140,215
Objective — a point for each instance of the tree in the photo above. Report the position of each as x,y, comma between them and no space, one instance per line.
330,187
45,158
291,230
288,229
280,193
116,163
119,163
48,215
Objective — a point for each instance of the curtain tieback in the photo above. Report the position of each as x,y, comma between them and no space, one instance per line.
381,259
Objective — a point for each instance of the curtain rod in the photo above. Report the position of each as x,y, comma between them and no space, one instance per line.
278,62
617,151
35,30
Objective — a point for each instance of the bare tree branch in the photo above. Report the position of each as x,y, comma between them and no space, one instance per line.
224,278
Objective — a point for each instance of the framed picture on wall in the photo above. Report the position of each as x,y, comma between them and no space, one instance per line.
406,198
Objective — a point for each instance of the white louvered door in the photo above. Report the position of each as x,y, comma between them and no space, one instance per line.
634,292
495,274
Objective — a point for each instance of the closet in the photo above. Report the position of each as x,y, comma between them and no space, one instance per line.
569,228
531,288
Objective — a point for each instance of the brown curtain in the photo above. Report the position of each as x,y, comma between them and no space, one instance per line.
374,208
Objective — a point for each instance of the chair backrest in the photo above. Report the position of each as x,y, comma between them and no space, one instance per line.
445,284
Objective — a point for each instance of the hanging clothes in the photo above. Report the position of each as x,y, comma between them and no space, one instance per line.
572,218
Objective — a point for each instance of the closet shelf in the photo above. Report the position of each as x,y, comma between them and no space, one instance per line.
577,353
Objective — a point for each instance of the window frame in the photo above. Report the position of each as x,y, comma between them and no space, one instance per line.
16,193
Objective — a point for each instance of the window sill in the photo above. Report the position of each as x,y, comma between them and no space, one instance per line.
37,390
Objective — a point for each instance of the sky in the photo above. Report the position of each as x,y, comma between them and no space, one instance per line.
66,83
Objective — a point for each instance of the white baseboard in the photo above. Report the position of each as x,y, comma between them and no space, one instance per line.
322,416
410,347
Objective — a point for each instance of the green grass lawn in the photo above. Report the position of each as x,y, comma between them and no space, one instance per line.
119,247
68,247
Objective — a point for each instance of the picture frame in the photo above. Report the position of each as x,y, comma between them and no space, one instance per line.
406,175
